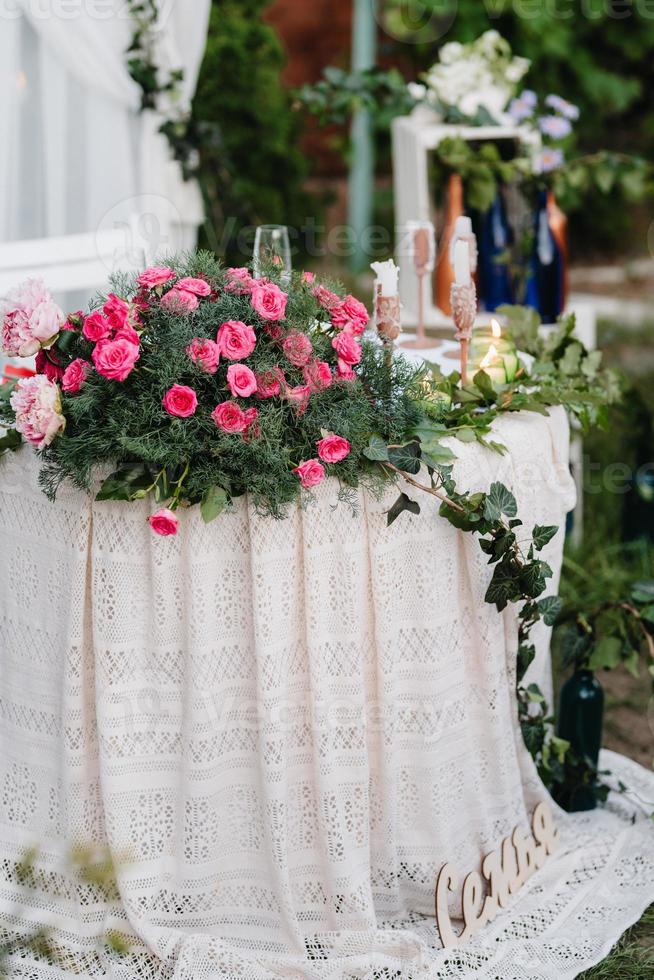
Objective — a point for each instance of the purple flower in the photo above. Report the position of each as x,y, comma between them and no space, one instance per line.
564,108
529,97
520,109
555,126
547,160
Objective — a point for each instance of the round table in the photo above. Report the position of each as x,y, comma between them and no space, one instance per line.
281,730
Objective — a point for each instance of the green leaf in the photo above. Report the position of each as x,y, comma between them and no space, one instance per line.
11,440
129,483
499,500
466,434
406,457
549,608
214,502
401,504
607,653
504,585
485,385
533,578
376,449
543,534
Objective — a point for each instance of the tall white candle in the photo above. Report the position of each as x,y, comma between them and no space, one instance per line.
462,263
462,226
387,276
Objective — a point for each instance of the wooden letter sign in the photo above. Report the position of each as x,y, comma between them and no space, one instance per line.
506,870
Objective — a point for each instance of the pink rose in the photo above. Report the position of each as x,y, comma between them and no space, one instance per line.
299,396
327,299
96,327
180,301
37,404
240,281
347,348
310,472
241,380
45,364
180,400
344,371
229,417
164,522
318,375
128,333
297,348
308,277
116,310
205,353
75,375
199,287
156,275
115,359
351,315
269,301
236,340
252,428
332,449
269,383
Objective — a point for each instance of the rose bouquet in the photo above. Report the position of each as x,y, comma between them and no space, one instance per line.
198,384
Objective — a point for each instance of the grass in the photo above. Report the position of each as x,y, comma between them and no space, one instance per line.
632,958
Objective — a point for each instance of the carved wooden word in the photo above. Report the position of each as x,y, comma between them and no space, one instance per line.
506,870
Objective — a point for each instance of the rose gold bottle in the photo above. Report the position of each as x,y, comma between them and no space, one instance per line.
444,273
558,223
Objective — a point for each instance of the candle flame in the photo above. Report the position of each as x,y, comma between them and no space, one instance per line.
490,356
496,329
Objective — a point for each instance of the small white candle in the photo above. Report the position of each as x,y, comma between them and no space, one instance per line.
387,274
462,226
462,263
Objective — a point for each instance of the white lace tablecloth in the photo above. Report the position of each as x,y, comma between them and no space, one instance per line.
282,730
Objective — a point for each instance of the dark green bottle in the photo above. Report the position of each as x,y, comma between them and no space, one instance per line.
581,712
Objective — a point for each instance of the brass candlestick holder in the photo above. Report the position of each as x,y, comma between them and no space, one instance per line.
463,300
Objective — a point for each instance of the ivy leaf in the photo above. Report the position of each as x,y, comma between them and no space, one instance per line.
214,502
606,653
129,483
401,504
10,440
549,608
503,586
406,458
542,534
376,450
499,501
533,578
526,655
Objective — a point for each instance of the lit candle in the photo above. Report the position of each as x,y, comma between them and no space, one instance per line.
387,274
462,263
493,365
491,342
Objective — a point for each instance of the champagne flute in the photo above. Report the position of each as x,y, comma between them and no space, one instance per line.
272,245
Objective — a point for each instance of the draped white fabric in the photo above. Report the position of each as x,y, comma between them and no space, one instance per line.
282,730
75,153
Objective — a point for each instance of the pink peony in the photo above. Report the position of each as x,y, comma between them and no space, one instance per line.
199,287
114,359
180,301
46,321
351,315
241,380
30,319
318,375
236,340
116,310
332,448
347,348
310,472
155,276
309,278
164,522
344,371
205,353
297,348
180,400
45,364
327,299
96,327
269,383
299,396
229,417
269,301
240,281
37,404
75,375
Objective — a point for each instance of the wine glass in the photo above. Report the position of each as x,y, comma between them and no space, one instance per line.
271,245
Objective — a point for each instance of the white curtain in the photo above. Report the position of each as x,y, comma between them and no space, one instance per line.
75,152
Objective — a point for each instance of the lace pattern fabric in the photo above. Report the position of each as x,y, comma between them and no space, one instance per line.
282,730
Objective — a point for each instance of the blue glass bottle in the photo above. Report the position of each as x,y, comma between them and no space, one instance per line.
581,713
546,287
494,239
